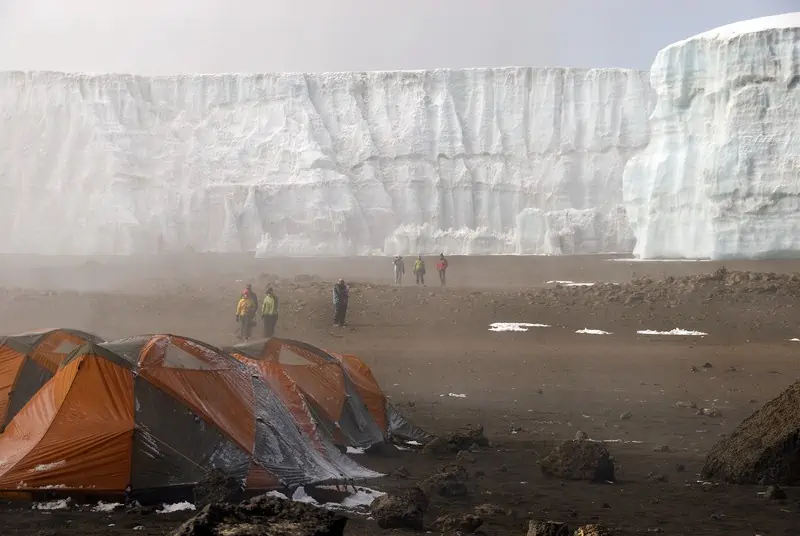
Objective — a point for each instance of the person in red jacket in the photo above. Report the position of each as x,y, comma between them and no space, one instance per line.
441,266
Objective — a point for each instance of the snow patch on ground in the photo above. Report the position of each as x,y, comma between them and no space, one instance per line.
620,441
676,331
587,331
657,260
357,502
106,507
60,504
177,507
515,326
570,284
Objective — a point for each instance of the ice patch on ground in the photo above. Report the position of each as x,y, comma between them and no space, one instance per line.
514,326
620,441
657,260
587,331
675,331
60,504
357,502
176,507
106,507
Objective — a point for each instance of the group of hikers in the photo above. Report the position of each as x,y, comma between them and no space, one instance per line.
418,269
247,309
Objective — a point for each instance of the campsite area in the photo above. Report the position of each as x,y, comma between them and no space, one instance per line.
432,351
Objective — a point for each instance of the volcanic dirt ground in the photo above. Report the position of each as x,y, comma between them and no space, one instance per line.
529,389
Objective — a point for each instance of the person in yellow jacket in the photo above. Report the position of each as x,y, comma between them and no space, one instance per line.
269,313
245,315
419,270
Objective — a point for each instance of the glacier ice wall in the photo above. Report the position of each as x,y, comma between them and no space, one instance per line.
480,161
721,175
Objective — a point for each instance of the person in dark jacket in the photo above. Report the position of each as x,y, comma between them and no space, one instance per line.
269,313
341,295
399,269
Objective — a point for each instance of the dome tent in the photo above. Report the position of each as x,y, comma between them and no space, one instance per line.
339,390
28,360
155,415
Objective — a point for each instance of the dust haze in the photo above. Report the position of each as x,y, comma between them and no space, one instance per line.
643,396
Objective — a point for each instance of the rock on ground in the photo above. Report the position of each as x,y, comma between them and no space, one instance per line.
450,481
464,523
404,510
263,516
217,487
764,448
554,528
490,510
548,528
456,442
592,530
579,460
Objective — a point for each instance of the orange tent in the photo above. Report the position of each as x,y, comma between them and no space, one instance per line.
28,360
158,415
340,390
384,413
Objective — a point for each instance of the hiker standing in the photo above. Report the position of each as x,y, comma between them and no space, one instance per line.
269,313
248,289
419,270
399,269
341,294
245,314
441,266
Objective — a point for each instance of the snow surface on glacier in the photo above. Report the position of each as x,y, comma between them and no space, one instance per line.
480,161
721,175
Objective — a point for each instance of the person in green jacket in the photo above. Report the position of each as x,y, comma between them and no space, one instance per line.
269,313
419,270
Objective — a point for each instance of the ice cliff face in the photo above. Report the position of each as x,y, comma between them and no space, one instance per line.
515,160
721,176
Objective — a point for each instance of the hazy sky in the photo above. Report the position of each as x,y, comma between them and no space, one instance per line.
171,36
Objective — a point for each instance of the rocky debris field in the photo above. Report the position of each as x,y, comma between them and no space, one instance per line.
621,434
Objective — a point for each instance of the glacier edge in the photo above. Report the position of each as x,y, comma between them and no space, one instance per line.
720,178
477,161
